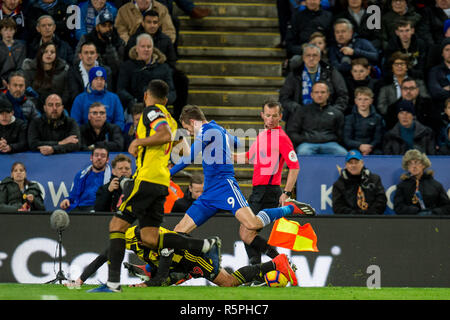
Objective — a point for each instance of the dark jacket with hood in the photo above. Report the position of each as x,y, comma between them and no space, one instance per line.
433,194
423,140
345,189
11,198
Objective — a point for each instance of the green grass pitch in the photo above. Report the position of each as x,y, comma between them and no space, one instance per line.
58,292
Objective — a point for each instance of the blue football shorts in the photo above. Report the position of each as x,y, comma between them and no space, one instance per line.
223,195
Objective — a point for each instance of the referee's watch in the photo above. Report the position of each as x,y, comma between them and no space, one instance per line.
288,193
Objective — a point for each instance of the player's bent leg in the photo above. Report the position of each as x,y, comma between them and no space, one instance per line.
247,235
186,225
150,236
248,219
118,225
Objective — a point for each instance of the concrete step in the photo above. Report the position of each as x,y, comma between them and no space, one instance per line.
231,111
229,9
231,67
214,97
236,81
243,125
228,51
216,38
260,24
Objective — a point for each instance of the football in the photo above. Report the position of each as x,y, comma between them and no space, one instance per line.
275,279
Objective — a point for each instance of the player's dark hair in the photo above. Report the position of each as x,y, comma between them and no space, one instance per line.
159,89
191,112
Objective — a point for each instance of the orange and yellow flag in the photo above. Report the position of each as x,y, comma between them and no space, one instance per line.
291,235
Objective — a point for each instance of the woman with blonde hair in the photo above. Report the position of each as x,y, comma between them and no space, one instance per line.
419,193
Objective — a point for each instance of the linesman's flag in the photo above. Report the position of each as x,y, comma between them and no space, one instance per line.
291,235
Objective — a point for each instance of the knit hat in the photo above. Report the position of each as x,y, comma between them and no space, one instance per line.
406,105
5,104
444,43
97,72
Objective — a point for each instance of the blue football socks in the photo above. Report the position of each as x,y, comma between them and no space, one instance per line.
267,216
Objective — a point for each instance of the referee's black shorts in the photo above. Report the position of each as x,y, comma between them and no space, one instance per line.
143,201
264,197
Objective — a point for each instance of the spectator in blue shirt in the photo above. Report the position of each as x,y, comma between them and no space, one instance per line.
96,92
88,180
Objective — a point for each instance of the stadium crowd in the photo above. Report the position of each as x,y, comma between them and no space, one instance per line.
353,80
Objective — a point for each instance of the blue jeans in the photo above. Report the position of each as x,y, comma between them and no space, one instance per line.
334,148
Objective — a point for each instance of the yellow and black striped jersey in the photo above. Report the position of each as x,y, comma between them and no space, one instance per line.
152,161
197,265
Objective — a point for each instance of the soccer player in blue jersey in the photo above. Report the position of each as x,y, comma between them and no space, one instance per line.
221,190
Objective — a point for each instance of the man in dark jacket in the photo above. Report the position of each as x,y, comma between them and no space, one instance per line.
54,132
357,190
317,127
13,132
151,25
57,9
408,133
46,28
108,195
97,129
296,90
147,63
24,108
304,23
348,46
